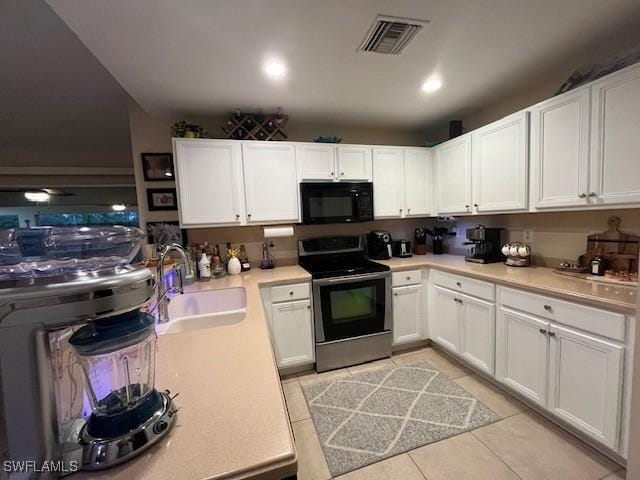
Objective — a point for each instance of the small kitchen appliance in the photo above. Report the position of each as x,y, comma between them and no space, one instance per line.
401,248
420,237
379,245
518,254
336,202
486,244
438,235
77,352
352,309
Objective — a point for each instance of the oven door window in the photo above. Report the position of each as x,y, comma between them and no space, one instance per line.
352,309
328,206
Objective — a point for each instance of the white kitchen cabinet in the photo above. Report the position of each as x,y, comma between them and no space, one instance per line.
453,176
209,182
418,182
316,161
407,314
560,150
445,321
615,138
354,163
501,165
585,387
270,179
292,333
478,332
388,182
522,350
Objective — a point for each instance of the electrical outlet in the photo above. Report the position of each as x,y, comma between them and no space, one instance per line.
527,236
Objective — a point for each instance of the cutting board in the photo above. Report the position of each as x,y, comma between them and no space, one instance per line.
621,250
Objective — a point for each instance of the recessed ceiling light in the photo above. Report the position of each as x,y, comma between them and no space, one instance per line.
37,196
275,69
431,84
119,207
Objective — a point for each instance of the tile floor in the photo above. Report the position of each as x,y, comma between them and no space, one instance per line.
522,445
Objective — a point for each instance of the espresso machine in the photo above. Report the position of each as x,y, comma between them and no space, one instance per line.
486,244
77,353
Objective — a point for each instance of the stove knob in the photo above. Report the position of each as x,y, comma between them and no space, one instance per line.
160,427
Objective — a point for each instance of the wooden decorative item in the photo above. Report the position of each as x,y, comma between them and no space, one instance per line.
256,126
618,248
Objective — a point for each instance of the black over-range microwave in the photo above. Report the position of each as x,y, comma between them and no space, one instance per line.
337,202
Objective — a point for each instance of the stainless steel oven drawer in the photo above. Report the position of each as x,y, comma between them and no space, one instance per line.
352,351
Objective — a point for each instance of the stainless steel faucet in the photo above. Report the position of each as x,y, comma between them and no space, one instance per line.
163,300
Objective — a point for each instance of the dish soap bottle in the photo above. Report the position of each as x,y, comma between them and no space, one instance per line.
204,267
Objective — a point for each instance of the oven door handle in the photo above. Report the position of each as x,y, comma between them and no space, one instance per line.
351,278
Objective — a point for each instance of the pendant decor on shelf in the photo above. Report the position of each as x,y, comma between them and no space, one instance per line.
256,126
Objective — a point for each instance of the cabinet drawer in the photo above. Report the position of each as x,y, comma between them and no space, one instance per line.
590,319
409,277
284,293
470,286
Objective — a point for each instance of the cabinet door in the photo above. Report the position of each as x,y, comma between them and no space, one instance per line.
453,177
478,332
407,314
292,333
316,162
271,185
560,150
354,163
208,182
447,318
500,165
586,383
418,182
615,142
388,182
522,348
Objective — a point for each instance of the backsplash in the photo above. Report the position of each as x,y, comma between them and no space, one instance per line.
556,236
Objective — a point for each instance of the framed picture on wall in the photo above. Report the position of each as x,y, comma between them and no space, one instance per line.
165,233
162,199
157,167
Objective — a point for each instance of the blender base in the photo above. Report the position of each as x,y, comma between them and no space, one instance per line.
100,453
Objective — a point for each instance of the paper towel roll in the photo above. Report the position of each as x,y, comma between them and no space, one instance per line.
275,232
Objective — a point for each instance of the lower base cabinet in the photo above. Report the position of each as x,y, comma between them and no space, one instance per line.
407,314
576,376
445,321
292,333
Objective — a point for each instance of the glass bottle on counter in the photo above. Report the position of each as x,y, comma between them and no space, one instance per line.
244,259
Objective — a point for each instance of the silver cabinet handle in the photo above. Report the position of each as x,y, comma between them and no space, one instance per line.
552,334
467,207
308,307
459,284
249,215
593,194
332,174
547,308
237,216
342,174
582,195
395,294
291,293
543,331
408,210
408,278
475,205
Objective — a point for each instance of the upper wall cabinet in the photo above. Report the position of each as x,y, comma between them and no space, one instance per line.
418,182
354,163
615,138
388,182
209,182
316,161
453,176
560,151
271,185
500,165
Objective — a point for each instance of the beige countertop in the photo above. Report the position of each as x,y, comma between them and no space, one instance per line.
232,421
537,279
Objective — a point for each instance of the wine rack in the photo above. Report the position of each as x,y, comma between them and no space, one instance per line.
256,126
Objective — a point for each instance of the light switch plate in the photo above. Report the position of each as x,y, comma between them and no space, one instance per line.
527,236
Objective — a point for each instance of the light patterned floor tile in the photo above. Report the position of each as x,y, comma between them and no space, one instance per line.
400,467
448,366
536,449
503,404
296,403
460,458
311,462
619,475
313,377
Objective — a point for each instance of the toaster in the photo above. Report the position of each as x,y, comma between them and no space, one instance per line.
401,248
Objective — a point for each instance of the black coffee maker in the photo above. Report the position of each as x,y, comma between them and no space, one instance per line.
486,244
379,245
438,235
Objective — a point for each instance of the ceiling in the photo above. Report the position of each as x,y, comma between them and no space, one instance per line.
204,57
54,94
74,197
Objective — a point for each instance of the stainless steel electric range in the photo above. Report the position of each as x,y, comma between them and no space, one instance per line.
351,302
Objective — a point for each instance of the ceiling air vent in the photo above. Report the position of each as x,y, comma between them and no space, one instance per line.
390,35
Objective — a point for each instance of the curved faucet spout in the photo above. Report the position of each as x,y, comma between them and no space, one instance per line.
163,300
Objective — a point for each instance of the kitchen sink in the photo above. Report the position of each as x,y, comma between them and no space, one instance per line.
207,309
